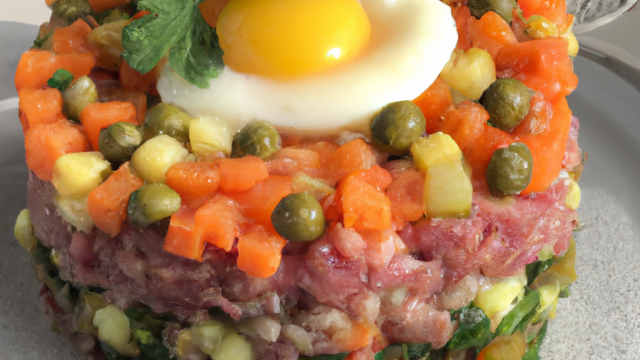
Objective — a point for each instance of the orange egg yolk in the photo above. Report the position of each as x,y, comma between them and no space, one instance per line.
290,38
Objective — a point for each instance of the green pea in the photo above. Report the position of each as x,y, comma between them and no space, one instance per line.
509,170
507,101
151,203
71,10
298,217
397,126
504,8
119,141
82,93
258,138
168,120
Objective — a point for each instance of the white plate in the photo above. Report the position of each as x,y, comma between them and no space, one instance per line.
601,319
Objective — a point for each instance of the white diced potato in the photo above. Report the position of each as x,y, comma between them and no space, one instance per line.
154,158
429,150
209,135
447,189
470,72
76,174
235,347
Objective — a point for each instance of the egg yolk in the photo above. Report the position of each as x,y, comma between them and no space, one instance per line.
288,38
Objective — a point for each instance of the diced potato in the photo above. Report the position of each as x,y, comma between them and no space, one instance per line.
209,335
539,27
114,329
470,72
152,160
23,231
108,40
76,174
447,189
234,347
209,135
299,337
302,182
512,347
573,197
82,93
74,211
428,150
261,326
500,295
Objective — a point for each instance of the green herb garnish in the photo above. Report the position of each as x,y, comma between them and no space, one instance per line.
176,27
474,329
61,80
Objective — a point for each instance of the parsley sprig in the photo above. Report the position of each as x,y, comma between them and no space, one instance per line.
178,28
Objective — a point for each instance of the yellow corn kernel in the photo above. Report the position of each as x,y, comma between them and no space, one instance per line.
470,72
539,27
573,197
76,174
571,40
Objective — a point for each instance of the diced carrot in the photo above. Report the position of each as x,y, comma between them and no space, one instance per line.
289,161
478,153
45,143
324,149
39,106
50,2
547,149
364,203
380,247
140,14
107,203
260,253
241,174
543,65
360,335
211,10
433,101
73,39
352,156
102,5
193,180
461,16
405,194
553,10
181,239
258,202
490,33
98,116
130,79
464,123
36,67
111,91
216,222
537,120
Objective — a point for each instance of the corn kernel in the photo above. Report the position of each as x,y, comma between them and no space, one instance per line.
539,27
573,197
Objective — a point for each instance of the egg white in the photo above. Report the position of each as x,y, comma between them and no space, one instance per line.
411,41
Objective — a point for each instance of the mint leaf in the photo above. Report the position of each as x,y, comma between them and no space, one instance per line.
177,27
198,58
60,80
